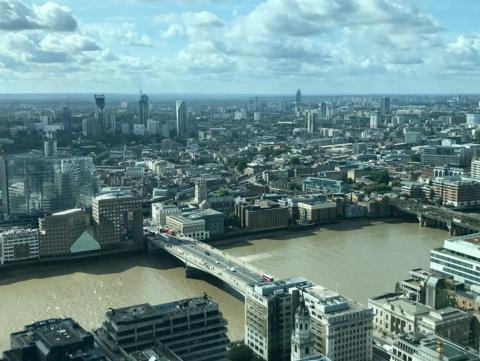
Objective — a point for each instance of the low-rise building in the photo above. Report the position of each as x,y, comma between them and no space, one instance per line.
420,347
18,244
194,329
193,227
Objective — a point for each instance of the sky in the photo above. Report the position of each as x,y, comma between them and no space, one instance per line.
240,46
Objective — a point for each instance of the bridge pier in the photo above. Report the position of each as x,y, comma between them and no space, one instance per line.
421,219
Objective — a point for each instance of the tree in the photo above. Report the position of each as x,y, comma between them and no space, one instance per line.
380,176
241,352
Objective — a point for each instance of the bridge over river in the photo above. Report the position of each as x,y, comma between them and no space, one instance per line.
199,256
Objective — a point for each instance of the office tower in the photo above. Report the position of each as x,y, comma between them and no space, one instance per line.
65,233
460,258
53,340
66,119
302,343
118,220
475,168
194,329
100,103
258,105
33,184
18,244
385,106
269,316
334,321
298,100
143,109
374,120
182,125
200,190
50,146
312,122
323,110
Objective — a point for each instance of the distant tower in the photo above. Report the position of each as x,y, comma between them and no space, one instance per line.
298,100
50,146
385,106
100,102
143,109
182,125
323,110
302,343
312,121
374,119
200,190
67,119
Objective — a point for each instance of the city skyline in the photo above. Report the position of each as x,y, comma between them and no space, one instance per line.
262,47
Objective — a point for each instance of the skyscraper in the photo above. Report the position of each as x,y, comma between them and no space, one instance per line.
312,122
385,105
298,100
100,103
143,109
33,184
66,118
374,119
182,125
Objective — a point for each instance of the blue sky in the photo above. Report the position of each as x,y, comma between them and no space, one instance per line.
241,46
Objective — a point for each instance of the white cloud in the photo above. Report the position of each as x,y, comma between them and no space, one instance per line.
16,15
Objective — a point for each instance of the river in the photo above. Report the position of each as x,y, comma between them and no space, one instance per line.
357,258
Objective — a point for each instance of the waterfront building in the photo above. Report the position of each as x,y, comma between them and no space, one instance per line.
118,220
160,211
395,315
420,347
33,184
262,215
269,314
459,257
18,244
317,212
181,111
65,233
457,191
53,340
341,328
185,226
194,329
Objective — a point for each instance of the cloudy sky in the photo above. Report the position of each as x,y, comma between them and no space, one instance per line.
240,46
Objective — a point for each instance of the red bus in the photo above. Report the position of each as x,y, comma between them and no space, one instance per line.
267,278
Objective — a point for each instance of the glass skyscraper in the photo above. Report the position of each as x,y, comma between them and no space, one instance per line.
33,184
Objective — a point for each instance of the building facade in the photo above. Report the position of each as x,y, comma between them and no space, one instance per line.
18,244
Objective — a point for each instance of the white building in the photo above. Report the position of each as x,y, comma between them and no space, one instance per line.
473,119
139,129
374,120
17,244
188,227
341,328
475,168
160,211
460,258
413,137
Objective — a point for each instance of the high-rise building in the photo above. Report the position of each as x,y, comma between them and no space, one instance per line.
182,126
341,328
302,342
143,109
200,190
118,220
298,100
269,314
66,233
194,329
100,103
459,257
33,184
385,105
312,122
323,110
374,120
66,119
